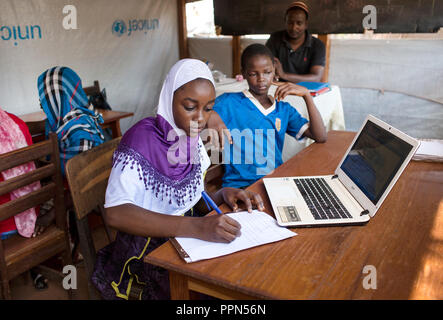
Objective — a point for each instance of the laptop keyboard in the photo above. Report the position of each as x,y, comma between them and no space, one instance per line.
321,199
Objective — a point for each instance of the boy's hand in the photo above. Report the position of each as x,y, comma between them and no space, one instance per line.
287,88
232,195
217,131
278,68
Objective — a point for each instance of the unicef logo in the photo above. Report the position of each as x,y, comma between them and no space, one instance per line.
119,28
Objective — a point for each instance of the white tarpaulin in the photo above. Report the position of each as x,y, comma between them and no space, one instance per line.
398,81
128,46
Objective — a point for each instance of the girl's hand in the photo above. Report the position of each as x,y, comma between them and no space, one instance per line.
287,88
232,195
219,228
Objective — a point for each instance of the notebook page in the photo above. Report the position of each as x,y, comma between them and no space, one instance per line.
257,228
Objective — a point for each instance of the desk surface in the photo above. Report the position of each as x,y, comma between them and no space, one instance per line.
108,116
111,119
404,242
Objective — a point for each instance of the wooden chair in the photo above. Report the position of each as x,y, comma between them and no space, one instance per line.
214,174
213,178
87,175
19,254
37,130
92,89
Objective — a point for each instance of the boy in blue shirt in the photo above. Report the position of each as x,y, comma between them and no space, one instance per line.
258,122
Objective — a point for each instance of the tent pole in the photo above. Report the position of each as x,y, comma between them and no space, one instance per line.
236,55
182,29
327,41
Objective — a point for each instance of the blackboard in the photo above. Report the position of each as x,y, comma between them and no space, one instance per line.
240,17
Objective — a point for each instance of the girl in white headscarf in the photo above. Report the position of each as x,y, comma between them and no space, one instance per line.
156,181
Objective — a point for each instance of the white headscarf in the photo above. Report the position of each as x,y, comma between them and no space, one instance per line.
150,180
182,72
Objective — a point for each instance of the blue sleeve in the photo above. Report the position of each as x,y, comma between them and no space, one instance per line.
221,105
297,125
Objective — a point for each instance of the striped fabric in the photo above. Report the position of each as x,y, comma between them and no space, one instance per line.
68,112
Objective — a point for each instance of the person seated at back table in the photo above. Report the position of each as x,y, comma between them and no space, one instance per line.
69,113
262,120
298,56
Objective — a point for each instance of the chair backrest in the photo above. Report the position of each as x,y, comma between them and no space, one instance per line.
87,174
92,89
37,130
214,174
19,254
213,178
51,190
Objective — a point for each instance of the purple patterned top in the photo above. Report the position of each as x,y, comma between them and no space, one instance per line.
170,168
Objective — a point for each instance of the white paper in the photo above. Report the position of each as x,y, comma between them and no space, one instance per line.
429,150
257,228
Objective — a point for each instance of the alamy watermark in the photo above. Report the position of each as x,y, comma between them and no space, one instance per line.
70,280
249,147
370,280
370,20
70,20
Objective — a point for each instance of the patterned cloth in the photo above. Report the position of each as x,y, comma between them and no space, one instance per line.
132,278
12,138
68,112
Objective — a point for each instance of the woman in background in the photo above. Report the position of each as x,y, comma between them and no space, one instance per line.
69,113
14,134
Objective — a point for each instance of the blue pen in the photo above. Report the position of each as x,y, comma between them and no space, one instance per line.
208,199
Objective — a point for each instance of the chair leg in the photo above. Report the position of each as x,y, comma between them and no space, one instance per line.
87,249
67,258
6,290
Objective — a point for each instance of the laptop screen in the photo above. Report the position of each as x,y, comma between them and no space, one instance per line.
374,159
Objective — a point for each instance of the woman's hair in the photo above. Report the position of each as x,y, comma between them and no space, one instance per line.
255,49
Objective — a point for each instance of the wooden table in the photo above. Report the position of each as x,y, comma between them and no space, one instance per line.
111,118
404,242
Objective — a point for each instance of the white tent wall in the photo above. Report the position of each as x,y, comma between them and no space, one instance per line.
130,64
398,80
216,50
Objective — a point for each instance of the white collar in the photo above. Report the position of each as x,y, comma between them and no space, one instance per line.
258,104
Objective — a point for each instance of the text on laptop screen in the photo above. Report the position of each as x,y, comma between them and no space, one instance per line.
374,159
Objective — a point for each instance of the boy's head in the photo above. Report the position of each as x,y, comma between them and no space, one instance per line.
257,63
296,19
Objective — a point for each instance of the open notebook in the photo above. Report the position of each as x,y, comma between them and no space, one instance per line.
257,228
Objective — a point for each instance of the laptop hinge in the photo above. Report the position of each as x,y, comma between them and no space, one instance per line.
364,212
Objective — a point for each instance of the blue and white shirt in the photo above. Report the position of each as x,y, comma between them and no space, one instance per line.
258,136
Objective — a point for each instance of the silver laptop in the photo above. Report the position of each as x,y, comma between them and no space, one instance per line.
352,195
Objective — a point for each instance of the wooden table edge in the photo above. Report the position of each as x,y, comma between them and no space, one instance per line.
200,277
